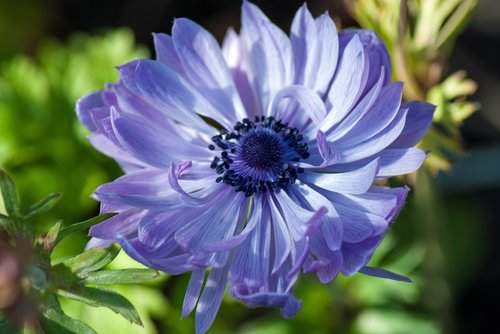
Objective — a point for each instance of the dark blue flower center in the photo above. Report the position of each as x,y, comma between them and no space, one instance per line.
258,156
262,149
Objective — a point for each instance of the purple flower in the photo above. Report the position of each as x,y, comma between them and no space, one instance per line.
253,163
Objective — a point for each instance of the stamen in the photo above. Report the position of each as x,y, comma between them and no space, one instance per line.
258,156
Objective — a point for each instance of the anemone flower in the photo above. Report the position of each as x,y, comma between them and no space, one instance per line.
253,162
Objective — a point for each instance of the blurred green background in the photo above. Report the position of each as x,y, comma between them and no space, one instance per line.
54,51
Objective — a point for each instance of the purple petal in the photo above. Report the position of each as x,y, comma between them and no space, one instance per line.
106,146
252,259
399,193
125,223
210,299
310,102
418,120
152,144
328,49
96,242
356,181
349,80
375,144
157,227
378,117
400,161
336,129
382,273
236,56
193,291
85,104
270,53
360,225
167,91
166,53
288,304
315,48
357,255
206,68
213,225
378,57
328,263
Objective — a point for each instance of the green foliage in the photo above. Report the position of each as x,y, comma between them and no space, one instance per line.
41,282
420,36
42,143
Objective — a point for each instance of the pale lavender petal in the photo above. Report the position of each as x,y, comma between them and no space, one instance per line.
106,146
173,95
193,291
379,116
206,68
349,80
360,225
357,181
328,48
125,224
270,53
339,130
400,161
357,255
83,107
378,57
304,38
236,56
417,122
374,144
166,53
210,299
310,102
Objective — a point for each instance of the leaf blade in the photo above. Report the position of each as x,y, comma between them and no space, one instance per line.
125,276
43,205
92,259
83,225
9,194
101,297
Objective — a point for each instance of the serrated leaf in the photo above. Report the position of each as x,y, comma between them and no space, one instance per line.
83,225
106,298
9,195
92,259
43,205
55,321
126,276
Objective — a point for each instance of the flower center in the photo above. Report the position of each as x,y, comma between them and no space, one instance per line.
262,149
258,156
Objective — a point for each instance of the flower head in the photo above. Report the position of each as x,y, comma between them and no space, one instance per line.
256,161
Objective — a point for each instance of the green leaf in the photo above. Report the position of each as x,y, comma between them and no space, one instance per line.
55,321
43,205
83,225
92,259
106,298
9,194
126,276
